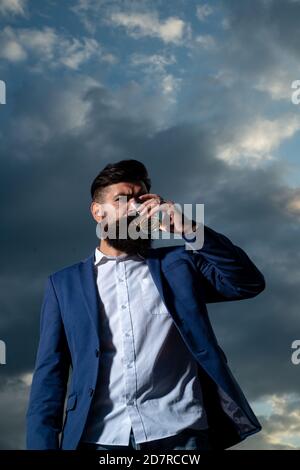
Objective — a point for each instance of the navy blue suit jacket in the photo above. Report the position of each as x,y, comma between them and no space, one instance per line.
69,339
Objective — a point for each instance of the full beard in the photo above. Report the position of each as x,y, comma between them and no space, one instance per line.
127,245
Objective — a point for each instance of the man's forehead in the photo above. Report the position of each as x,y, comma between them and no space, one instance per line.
128,188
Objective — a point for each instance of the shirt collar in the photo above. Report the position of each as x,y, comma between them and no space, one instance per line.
100,257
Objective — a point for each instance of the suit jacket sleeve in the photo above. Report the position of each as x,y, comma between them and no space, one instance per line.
226,271
45,411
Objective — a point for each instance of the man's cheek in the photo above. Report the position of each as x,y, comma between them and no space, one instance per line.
114,214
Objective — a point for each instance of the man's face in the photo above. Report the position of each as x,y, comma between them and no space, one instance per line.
115,204
117,198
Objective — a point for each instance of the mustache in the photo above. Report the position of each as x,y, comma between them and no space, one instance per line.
124,220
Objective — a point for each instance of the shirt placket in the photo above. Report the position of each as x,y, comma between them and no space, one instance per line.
129,360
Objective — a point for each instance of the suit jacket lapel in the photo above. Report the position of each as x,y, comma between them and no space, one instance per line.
89,289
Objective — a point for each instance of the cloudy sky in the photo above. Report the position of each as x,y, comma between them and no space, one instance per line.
201,93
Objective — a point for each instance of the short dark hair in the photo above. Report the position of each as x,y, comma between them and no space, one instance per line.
119,172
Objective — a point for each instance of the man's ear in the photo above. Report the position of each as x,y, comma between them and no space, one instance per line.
96,211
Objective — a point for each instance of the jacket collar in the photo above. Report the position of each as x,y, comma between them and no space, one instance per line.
101,257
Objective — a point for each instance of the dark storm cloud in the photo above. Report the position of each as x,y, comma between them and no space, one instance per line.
48,224
261,38
48,227
14,396
261,23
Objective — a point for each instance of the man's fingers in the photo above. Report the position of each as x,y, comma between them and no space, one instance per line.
148,205
148,196
152,211
155,207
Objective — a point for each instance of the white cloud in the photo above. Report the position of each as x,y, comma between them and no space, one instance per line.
67,114
41,42
170,85
154,67
225,77
11,48
206,41
109,58
254,142
157,61
77,52
277,83
293,203
203,11
13,7
280,418
46,46
26,378
87,12
171,30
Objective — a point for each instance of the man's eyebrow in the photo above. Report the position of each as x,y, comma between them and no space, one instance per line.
139,193
122,194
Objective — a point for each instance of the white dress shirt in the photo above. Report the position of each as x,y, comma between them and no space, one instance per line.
147,377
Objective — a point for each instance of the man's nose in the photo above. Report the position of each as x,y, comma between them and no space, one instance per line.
133,205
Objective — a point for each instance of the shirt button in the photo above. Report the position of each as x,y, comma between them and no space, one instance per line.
129,365
123,306
127,334
91,392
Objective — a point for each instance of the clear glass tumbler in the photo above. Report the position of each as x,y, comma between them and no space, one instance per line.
145,224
